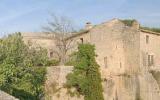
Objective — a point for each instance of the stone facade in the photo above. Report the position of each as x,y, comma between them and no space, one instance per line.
54,86
129,59
41,40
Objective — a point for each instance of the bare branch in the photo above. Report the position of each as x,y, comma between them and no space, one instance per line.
61,27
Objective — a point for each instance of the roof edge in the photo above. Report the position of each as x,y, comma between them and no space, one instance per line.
77,34
150,32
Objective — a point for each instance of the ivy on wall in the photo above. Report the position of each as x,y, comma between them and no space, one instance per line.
86,76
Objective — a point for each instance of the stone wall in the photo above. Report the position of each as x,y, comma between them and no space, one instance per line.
56,78
122,53
5,96
150,86
124,77
41,40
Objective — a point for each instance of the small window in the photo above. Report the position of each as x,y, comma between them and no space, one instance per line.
150,60
81,40
120,65
51,54
105,62
147,39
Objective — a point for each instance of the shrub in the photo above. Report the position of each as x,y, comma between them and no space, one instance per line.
52,62
151,29
86,76
20,75
71,60
128,22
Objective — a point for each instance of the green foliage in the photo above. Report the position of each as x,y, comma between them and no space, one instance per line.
70,63
52,62
72,60
20,75
151,29
128,22
86,76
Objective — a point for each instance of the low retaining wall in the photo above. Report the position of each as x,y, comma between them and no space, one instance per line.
54,87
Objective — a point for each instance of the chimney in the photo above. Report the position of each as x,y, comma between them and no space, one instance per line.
135,24
88,26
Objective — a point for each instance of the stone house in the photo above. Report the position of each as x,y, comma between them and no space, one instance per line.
128,56
40,40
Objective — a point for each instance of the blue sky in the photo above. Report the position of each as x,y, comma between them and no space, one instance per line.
31,15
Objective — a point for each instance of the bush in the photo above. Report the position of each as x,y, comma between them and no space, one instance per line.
71,60
86,76
52,62
151,29
70,63
20,75
128,22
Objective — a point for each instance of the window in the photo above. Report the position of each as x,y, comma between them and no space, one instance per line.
147,39
120,65
51,54
105,62
81,40
150,60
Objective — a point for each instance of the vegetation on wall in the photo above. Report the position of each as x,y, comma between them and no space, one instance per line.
86,76
20,75
151,29
128,22
52,62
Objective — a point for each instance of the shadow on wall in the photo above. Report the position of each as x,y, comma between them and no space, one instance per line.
156,75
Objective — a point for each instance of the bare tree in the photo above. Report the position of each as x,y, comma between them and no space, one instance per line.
61,27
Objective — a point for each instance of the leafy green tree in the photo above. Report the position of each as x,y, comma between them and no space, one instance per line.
21,68
86,76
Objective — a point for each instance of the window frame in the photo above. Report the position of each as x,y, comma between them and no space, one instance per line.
147,39
150,60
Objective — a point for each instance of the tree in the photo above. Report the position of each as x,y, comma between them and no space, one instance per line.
20,71
61,27
86,76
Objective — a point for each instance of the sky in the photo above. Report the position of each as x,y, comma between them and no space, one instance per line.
32,15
